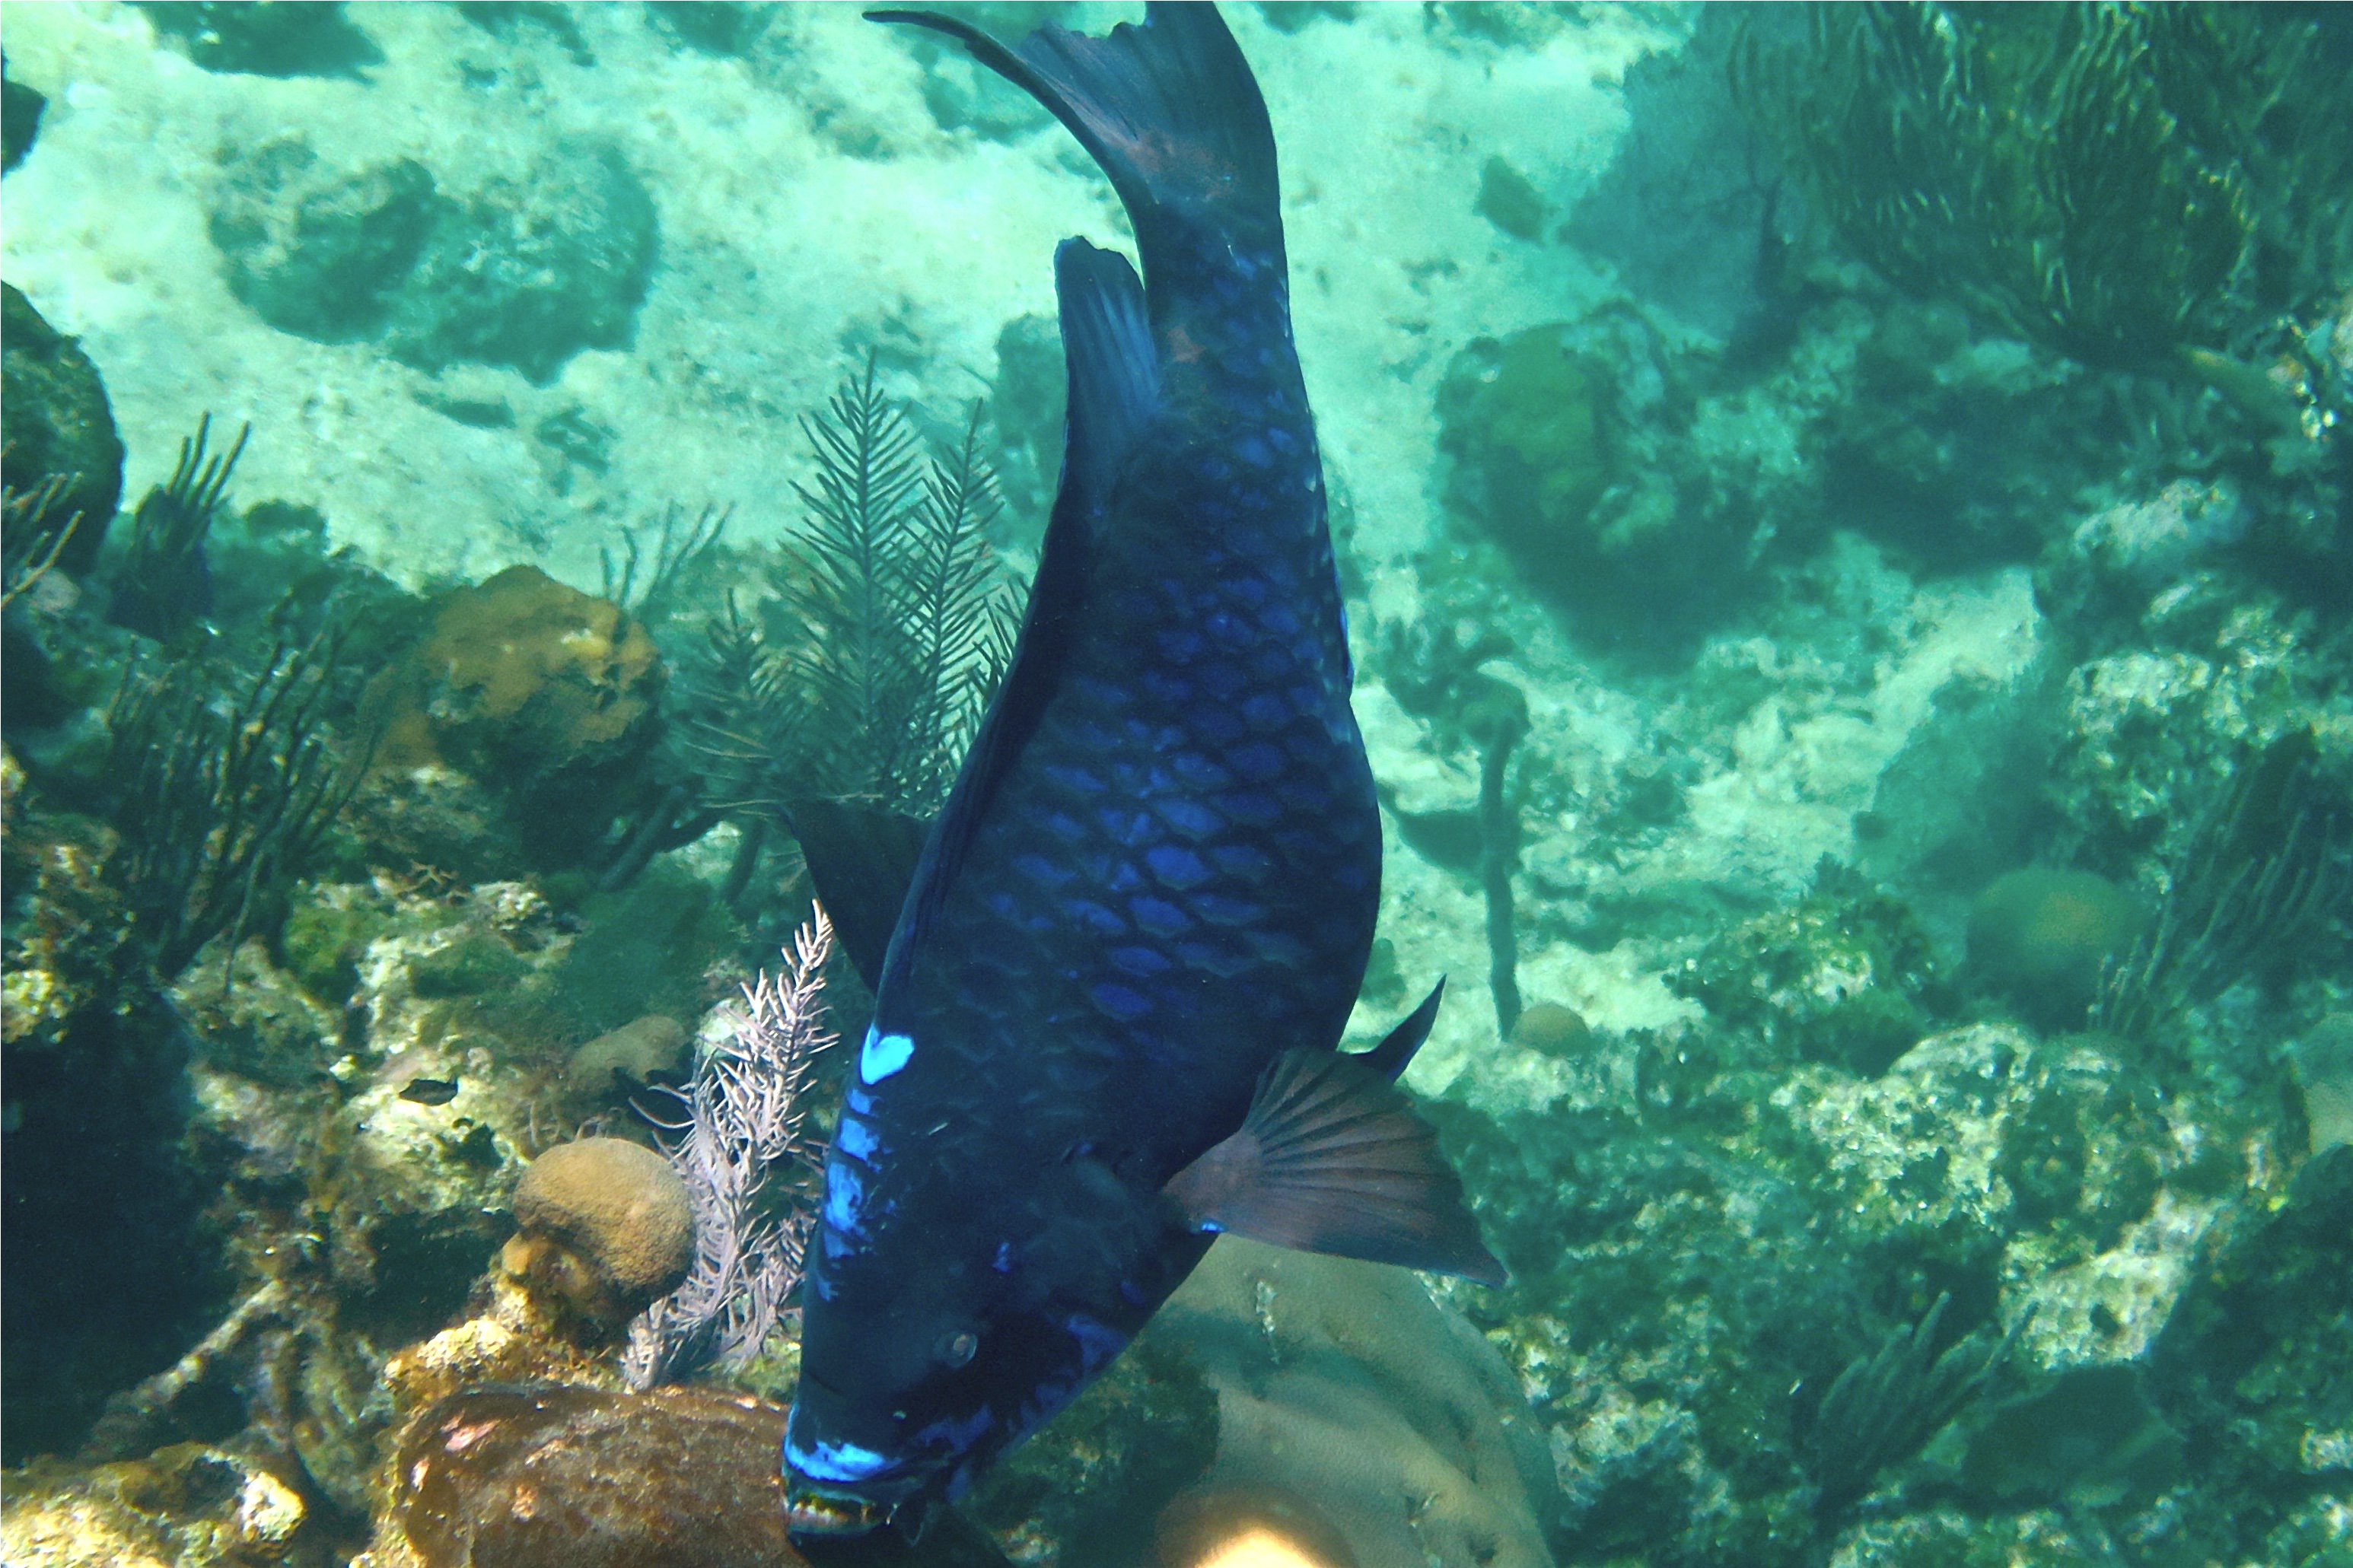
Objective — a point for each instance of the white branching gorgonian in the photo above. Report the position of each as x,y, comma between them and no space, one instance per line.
739,1141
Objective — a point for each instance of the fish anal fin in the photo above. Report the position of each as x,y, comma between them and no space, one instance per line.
1332,1159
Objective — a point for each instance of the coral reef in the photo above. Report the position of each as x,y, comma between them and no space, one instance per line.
1842,517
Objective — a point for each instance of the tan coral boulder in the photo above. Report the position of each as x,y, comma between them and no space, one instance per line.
604,1225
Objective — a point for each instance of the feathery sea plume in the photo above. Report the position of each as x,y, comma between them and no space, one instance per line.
889,621
739,1142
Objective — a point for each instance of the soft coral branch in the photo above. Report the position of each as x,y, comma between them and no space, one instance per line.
740,1133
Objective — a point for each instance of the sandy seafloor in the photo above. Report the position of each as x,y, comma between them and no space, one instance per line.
783,255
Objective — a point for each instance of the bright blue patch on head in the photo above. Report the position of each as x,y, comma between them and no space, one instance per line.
1003,1261
883,1055
833,1461
859,1100
857,1138
844,1195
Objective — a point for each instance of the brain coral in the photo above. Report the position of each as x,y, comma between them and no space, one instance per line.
605,1223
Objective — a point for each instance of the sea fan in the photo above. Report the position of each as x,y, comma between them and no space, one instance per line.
740,1142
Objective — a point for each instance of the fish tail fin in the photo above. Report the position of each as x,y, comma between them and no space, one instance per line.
1170,110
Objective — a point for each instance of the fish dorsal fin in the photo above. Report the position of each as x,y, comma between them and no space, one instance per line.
1395,1053
1114,381
861,860
1332,1159
1114,393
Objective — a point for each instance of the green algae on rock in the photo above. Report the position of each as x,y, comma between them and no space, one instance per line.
1846,977
188,1505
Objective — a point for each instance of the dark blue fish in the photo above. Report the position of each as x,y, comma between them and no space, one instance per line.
1105,1024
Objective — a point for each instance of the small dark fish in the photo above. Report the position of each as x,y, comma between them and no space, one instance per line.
1105,1021
430,1091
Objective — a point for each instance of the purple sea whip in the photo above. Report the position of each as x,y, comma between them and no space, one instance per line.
743,1129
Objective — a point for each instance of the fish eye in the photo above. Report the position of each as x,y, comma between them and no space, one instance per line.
957,1348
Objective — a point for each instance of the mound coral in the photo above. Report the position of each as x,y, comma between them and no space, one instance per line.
2043,938
1552,1030
605,1224
526,684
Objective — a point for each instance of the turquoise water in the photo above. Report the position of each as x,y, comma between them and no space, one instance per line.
1842,518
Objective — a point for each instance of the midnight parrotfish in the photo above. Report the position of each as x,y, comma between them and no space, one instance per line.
1106,1020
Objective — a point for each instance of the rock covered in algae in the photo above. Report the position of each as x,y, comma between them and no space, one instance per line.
584,1477
606,1223
188,1505
1847,978
640,1048
59,427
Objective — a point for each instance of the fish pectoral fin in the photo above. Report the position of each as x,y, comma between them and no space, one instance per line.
1395,1053
1332,1159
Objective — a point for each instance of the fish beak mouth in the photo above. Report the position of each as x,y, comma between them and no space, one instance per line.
816,1512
